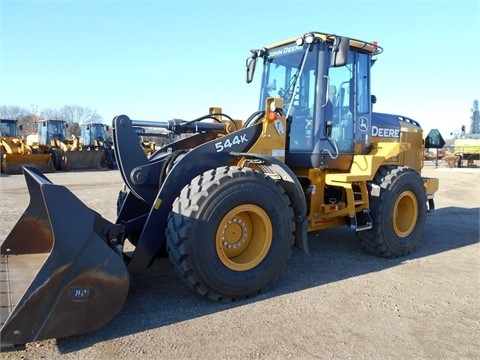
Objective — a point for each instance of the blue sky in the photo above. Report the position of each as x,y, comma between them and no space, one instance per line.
157,60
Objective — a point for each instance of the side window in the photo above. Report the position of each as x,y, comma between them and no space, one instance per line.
339,106
363,93
4,129
277,80
302,112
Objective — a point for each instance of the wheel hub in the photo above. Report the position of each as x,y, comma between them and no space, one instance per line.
244,237
405,214
235,233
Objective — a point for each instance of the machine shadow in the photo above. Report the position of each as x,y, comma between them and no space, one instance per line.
158,297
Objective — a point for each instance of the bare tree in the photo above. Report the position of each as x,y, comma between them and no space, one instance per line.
22,115
79,114
50,113
27,125
13,112
73,129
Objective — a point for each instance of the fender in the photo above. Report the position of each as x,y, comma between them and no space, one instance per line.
294,190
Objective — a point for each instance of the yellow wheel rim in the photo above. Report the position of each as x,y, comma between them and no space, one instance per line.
244,237
405,214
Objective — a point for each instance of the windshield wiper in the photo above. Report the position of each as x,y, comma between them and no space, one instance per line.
292,87
287,94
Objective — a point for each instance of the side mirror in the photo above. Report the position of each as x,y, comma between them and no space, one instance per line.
251,63
434,140
340,48
328,128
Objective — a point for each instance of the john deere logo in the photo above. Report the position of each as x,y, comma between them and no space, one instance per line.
363,124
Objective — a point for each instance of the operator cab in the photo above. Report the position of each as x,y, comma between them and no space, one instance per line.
8,128
48,129
325,83
93,131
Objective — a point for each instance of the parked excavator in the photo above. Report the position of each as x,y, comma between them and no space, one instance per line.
229,202
15,153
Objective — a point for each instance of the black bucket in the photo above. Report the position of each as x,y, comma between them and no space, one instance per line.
59,276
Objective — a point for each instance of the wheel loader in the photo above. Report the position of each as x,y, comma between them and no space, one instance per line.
94,137
149,147
161,136
15,153
67,152
229,202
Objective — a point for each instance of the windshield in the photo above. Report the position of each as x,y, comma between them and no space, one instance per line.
289,73
57,129
8,128
97,131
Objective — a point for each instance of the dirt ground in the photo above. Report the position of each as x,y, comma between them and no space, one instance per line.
336,303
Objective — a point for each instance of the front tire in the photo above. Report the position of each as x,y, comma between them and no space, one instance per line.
230,233
57,158
398,213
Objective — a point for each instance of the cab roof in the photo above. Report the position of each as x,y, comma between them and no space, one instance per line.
364,46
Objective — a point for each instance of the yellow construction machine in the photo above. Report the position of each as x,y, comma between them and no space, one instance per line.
229,202
149,147
162,137
467,145
67,152
15,153
94,137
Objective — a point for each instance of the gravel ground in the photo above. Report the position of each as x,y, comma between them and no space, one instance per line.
338,302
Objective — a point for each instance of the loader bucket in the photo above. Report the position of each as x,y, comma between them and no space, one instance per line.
59,277
84,159
13,163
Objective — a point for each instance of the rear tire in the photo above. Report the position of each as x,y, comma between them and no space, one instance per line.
398,213
230,233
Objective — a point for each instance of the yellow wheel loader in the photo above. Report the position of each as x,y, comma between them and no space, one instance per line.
94,137
229,202
149,147
162,137
67,152
15,153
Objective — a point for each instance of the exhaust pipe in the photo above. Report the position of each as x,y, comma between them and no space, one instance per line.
60,273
